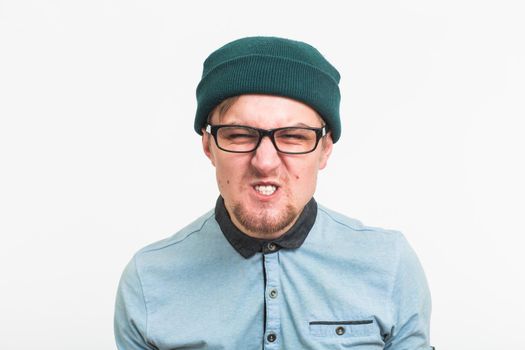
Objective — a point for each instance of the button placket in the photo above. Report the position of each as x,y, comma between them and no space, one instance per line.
273,317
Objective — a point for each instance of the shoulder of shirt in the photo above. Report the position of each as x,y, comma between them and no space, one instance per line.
376,241
179,236
356,225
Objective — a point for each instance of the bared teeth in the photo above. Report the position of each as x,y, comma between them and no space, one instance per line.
266,190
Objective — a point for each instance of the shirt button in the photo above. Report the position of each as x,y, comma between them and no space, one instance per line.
271,337
340,330
271,246
273,293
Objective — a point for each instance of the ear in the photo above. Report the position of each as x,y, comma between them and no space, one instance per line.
206,146
326,149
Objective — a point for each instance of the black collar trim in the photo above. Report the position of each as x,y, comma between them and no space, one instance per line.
247,246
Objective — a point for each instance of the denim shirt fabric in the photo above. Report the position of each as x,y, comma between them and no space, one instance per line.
347,286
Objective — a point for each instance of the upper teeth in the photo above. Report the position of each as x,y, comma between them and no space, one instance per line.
266,190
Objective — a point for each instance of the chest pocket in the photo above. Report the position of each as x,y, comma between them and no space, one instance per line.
343,329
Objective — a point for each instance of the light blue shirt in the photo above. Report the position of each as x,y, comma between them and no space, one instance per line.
347,286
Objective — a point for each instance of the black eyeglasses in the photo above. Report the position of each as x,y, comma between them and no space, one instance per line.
245,139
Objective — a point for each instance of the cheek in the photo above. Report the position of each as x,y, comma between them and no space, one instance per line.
223,179
228,173
306,179
303,167
303,175
223,183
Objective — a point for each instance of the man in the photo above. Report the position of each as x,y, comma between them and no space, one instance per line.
269,268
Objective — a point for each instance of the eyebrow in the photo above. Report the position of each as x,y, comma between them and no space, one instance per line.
305,125
298,124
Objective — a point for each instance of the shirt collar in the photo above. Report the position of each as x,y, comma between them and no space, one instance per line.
247,246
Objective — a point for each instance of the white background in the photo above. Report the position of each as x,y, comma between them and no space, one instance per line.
98,156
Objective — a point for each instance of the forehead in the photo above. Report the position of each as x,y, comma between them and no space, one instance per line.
267,111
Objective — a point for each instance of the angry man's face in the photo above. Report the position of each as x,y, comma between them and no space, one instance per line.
264,191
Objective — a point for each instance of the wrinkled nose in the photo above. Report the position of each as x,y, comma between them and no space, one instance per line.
266,159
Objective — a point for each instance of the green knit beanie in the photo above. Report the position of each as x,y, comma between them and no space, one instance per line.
273,66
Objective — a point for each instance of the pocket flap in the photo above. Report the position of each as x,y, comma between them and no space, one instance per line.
351,328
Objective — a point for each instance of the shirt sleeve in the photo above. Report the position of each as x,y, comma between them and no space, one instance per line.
130,322
411,304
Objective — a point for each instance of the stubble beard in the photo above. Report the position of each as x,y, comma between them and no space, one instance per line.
263,222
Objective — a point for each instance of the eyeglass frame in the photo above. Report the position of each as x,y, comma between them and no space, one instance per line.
319,133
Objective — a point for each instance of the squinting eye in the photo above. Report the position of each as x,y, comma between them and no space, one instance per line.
239,136
293,136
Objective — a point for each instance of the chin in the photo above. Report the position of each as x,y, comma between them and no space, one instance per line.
264,221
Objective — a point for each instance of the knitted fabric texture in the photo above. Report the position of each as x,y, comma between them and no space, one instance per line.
272,66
